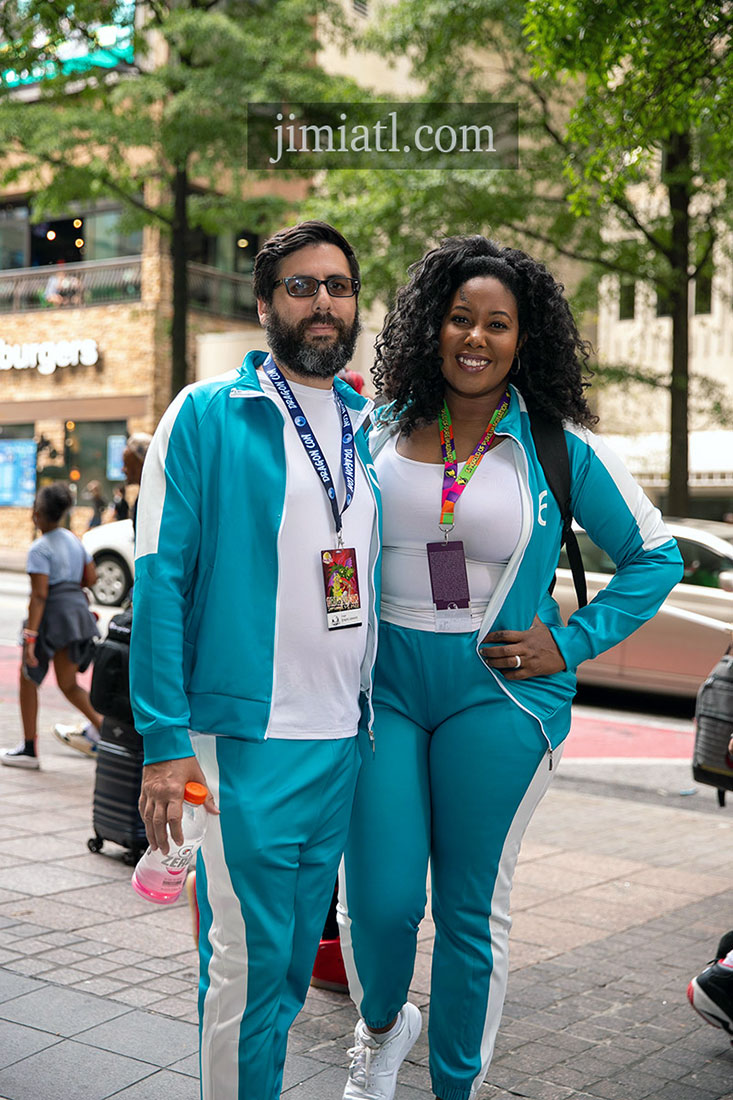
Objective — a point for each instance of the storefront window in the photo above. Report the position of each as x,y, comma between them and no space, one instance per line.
86,449
17,431
96,235
233,252
104,238
13,237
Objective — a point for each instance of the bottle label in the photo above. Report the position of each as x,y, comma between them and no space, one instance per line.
177,861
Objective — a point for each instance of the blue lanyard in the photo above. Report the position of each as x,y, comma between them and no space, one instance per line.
310,443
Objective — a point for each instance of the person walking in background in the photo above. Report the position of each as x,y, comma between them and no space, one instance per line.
60,627
94,489
81,735
119,508
475,669
253,642
133,460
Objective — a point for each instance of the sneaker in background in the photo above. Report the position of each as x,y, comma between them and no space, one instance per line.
83,737
711,995
20,757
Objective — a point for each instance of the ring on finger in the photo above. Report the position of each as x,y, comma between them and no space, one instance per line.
518,659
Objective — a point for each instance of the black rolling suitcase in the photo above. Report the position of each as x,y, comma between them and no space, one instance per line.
117,790
711,762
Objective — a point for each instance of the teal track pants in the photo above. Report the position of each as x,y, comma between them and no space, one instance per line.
264,882
457,772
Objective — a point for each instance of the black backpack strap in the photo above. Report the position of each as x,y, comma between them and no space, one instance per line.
552,451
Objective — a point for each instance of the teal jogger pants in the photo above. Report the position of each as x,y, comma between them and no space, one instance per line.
264,881
457,772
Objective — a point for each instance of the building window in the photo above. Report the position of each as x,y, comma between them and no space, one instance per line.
704,282
234,252
664,303
361,7
85,451
14,245
17,431
626,300
92,235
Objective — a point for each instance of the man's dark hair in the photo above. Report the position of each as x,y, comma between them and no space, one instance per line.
285,241
53,501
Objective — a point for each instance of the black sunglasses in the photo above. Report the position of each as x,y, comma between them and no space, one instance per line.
307,286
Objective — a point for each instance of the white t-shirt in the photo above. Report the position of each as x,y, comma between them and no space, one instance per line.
317,671
487,518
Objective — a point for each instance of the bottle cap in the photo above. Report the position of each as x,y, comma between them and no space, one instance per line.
196,793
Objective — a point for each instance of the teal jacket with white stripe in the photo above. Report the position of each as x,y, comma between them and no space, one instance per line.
206,586
617,515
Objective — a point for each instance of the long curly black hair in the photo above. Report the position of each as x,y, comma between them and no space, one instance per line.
553,357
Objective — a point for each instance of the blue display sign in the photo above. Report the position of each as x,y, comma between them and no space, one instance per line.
17,472
115,449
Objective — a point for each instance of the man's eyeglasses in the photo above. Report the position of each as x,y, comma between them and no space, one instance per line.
307,286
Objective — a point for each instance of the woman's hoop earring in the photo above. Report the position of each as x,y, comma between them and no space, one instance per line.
516,365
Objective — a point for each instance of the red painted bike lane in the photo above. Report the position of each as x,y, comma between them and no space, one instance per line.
616,738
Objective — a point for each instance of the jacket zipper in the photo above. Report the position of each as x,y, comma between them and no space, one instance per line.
506,586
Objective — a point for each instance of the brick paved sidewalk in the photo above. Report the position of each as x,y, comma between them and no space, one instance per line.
620,897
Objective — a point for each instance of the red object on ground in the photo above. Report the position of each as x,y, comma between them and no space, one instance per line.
598,737
329,971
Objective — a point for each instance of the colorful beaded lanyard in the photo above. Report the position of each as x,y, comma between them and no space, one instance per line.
453,483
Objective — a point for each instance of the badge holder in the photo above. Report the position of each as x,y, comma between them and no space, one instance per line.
341,587
449,584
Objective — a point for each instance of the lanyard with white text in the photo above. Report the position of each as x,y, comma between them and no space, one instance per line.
310,443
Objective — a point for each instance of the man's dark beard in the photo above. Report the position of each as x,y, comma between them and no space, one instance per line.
311,359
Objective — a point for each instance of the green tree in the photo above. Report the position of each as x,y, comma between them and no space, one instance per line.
653,118
590,147
165,132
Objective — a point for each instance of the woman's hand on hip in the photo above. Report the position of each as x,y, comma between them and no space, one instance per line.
520,654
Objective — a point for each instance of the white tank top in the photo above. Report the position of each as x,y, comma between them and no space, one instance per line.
488,520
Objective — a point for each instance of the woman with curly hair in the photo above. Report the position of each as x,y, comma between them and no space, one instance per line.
476,670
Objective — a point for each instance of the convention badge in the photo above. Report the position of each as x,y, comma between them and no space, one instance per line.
341,586
449,583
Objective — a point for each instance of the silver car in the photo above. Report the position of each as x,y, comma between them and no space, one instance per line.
674,651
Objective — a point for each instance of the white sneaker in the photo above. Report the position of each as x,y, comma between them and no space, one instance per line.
76,737
19,758
374,1066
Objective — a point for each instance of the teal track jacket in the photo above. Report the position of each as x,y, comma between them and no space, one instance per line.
206,586
617,515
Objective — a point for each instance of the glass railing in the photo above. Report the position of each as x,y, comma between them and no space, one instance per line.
221,292
95,282
102,282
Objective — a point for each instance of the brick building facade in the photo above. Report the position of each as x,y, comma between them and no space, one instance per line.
77,374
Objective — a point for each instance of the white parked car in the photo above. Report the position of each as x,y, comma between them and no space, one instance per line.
112,545
674,651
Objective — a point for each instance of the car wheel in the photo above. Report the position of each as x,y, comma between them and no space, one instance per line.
113,580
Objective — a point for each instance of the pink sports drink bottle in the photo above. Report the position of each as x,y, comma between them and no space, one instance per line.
161,878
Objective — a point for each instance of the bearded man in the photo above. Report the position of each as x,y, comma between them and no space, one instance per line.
253,646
